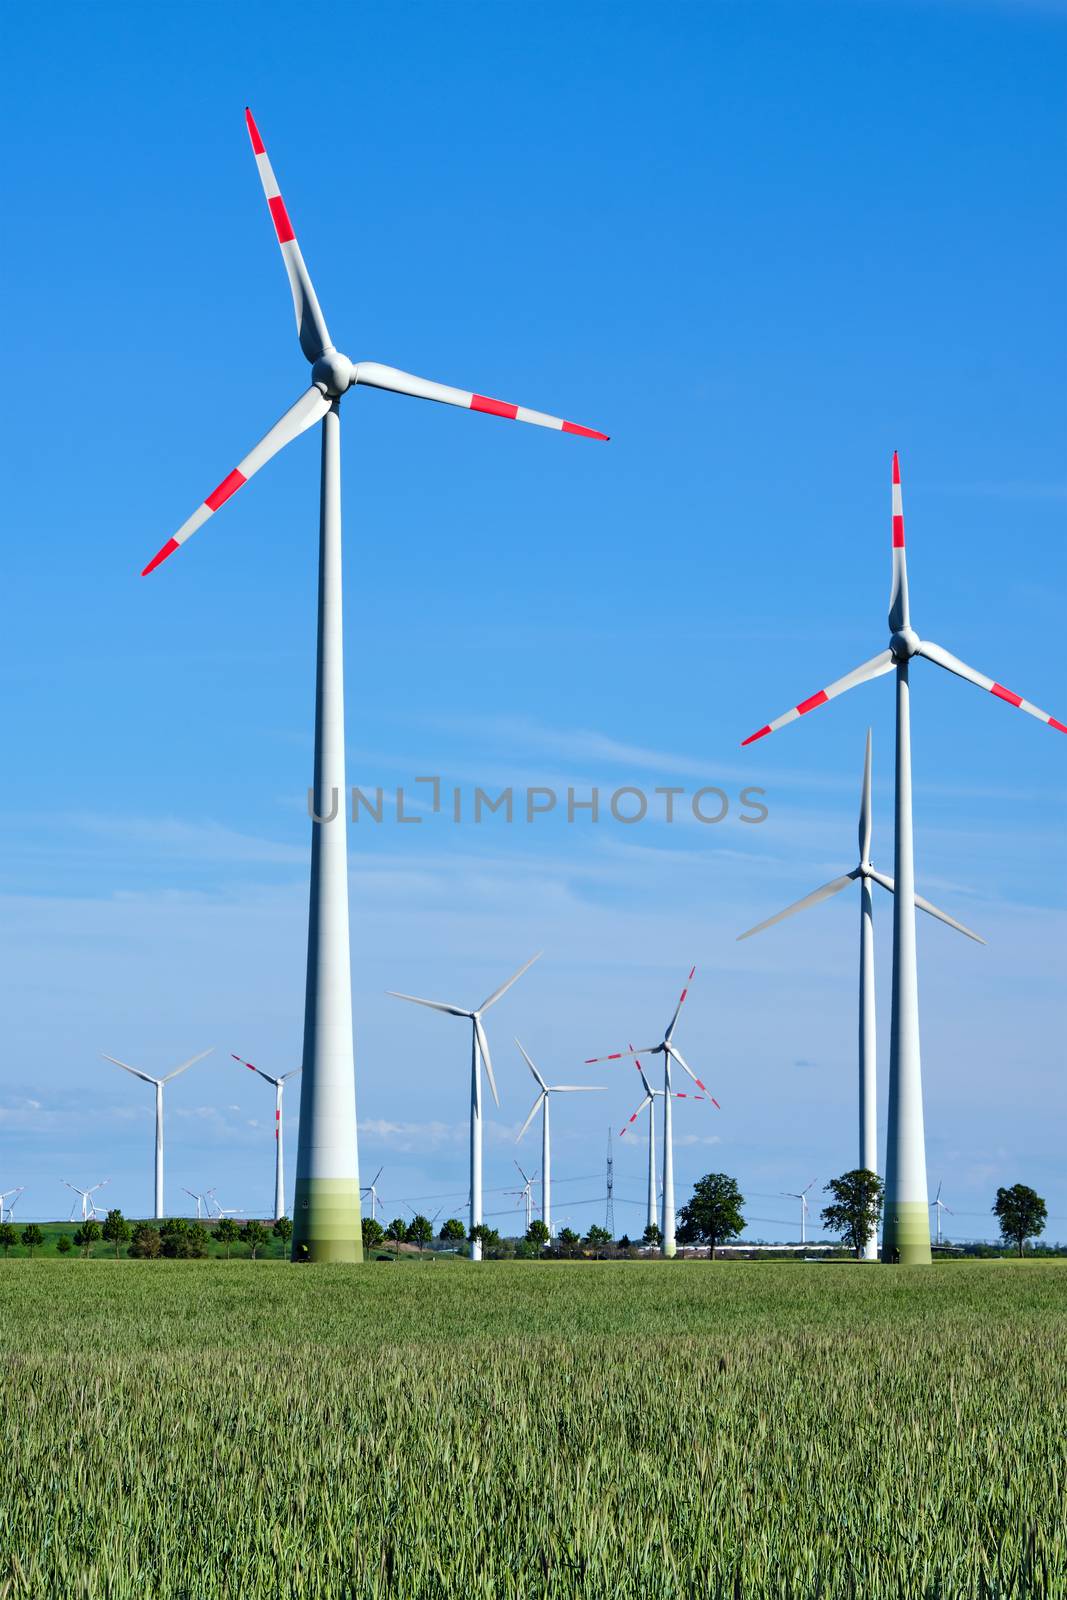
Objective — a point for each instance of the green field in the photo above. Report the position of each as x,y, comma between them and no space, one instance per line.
203,1429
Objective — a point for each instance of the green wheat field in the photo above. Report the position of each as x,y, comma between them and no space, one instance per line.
205,1428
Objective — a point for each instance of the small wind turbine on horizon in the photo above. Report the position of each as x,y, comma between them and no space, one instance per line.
525,1194
941,1206
158,1083
650,1102
906,1219
211,1197
279,1134
802,1196
89,1208
546,1091
199,1198
371,1188
479,1055
327,1207
7,1212
669,1051
864,873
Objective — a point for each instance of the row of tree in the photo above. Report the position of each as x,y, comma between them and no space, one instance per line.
176,1238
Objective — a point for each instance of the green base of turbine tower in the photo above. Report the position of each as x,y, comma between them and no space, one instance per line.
327,1221
906,1234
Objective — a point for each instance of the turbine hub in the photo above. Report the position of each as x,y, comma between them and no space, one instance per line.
332,372
904,644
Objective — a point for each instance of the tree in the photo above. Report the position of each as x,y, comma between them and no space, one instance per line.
283,1230
196,1240
713,1216
32,1237
146,1244
116,1230
453,1232
9,1235
567,1242
420,1231
86,1236
537,1233
856,1207
1021,1213
488,1237
625,1242
597,1240
652,1236
227,1233
64,1244
254,1235
373,1232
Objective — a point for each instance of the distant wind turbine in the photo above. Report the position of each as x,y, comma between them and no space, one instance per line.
158,1083
650,1102
542,1102
525,1194
88,1204
941,1206
371,1188
479,1054
279,1132
802,1196
7,1212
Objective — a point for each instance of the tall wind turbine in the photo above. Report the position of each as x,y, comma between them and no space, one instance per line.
669,1051
279,1132
802,1196
546,1091
865,874
88,1204
327,1222
941,1206
146,1077
906,1222
479,1055
650,1102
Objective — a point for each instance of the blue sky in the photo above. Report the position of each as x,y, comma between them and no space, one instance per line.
760,245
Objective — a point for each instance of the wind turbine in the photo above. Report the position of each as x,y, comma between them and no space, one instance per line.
479,1053
865,874
906,1222
327,1220
88,1204
7,1214
547,1090
941,1206
791,1194
669,1051
525,1194
650,1102
199,1198
212,1196
371,1188
146,1077
279,1136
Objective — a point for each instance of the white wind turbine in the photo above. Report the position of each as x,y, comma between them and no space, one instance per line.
669,1051
547,1090
89,1207
327,1209
211,1198
371,1188
941,1206
199,1198
864,874
146,1077
279,1131
525,1195
802,1196
479,1054
7,1212
906,1223
650,1102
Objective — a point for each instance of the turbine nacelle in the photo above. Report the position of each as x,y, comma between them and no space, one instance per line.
333,373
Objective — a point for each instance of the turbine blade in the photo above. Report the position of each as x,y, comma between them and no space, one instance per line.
287,1075
899,615
483,1048
874,668
951,663
578,1088
683,1063
531,1066
833,887
681,1002
252,1068
647,1101
187,1064
621,1055
377,376
145,1077
310,408
310,322
865,805
930,909
504,987
434,1005
533,1112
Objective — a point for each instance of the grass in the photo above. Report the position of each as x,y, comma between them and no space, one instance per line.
204,1429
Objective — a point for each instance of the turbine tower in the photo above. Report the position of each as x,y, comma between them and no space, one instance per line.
542,1103
906,1220
791,1194
650,1102
279,1131
669,1051
865,874
479,1055
326,1226
146,1077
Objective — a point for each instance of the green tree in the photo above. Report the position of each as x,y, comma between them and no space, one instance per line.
116,1230
373,1233
64,1244
1021,1213
146,1244
32,1237
453,1232
488,1237
227,1233
254,1235
9,1235
625,1242
537,1234
420,1231
713,1216
856,1207
283,1230
567,1242
597,1240
196,1241
395,1233
86,1236
652,1236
